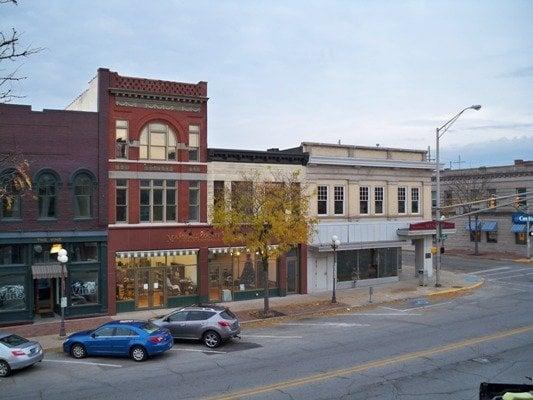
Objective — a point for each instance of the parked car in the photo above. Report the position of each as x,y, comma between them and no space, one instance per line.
17,352
210,324
136,339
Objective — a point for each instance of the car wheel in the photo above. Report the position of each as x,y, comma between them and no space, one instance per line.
138,353
211,339
5,369
78,351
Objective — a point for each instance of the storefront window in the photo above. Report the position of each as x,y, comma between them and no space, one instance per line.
10,254
85,252
12,293
368,263
125,282
41,254
83,287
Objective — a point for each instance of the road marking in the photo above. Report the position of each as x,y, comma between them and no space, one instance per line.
272,336
339,324
511,276
487,270
385,314
389,308
370,365
84,362
506,272
428,306
197,350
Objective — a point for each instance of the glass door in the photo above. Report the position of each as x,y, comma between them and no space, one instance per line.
292,275
214,282
43,296
150,288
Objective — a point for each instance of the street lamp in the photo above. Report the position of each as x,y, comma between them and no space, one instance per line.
439,133
335,243
63,259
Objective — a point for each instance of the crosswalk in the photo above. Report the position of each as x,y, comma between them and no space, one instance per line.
512,277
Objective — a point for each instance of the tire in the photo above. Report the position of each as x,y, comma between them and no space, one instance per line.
78,351
5,369
138,353
211,339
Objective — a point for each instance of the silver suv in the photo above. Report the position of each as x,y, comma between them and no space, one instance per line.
208,323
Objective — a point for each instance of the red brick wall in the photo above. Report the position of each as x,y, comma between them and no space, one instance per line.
63,141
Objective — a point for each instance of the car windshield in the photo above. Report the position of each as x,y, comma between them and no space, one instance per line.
149,327
13,340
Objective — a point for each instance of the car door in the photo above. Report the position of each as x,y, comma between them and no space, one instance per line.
122,338
197,322
176,323
101,341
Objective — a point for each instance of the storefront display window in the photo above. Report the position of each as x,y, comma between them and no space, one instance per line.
83,287
355,265
85,252
10,254
12,293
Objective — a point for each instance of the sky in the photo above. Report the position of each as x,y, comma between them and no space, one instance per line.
283,72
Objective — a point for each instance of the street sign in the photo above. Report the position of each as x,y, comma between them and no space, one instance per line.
444,236
522,218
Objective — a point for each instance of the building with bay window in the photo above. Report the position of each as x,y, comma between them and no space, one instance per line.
67,205
373,199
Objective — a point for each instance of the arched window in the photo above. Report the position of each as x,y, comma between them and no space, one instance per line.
82,196
158,142
47,185
9,194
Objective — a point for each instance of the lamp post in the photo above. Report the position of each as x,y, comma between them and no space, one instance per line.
335,243
63,259
439,133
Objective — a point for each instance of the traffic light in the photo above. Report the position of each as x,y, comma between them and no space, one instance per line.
516,202
492,202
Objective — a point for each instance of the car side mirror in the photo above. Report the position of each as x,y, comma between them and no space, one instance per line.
93,335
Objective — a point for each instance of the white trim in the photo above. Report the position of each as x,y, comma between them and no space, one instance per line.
119,160
229,250
155,253
160,225
177,176
350,161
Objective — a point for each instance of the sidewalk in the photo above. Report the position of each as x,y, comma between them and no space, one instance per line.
293,305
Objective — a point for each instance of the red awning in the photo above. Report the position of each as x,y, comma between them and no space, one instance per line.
430,225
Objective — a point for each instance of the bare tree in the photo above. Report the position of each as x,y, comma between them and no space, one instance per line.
464,187
12,51
14,177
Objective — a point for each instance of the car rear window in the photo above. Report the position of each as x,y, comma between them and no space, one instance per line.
227,314
13,340
149,327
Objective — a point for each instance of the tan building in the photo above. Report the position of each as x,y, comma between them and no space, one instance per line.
368,197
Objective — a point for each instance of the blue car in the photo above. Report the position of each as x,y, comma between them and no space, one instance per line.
135,339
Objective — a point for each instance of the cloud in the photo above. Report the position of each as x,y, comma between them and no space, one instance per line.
518,73
495,152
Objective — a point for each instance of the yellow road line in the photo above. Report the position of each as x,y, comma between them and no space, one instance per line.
371,364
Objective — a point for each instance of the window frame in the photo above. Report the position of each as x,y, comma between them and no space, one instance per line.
193,186
126,206
325,191
382,200
404,200
518,240
90,185
56,187
519,192
147,132
413,201
194,149
492,237
151,188
364,198
338,196
125,146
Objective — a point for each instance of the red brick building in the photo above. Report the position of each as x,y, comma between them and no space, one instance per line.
159,238
66,152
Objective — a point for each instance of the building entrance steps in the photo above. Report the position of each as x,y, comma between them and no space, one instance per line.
291,306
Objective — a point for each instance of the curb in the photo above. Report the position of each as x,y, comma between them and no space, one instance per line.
368,305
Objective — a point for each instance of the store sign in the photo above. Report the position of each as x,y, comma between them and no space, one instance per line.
430,225
522,218
49,240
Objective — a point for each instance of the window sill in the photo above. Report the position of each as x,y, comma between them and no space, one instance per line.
83,218
47,219
10,219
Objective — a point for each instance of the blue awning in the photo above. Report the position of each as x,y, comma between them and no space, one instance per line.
489,226
518,228
472,226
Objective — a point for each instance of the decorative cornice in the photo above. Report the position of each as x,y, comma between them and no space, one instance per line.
256,157
359,162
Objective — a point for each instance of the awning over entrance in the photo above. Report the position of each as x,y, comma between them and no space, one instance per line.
489,226
518,228
472,226
44,271
229,250
156,253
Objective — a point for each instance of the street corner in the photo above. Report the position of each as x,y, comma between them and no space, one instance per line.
470,283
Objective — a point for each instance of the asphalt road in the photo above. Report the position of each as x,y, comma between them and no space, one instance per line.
410,350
